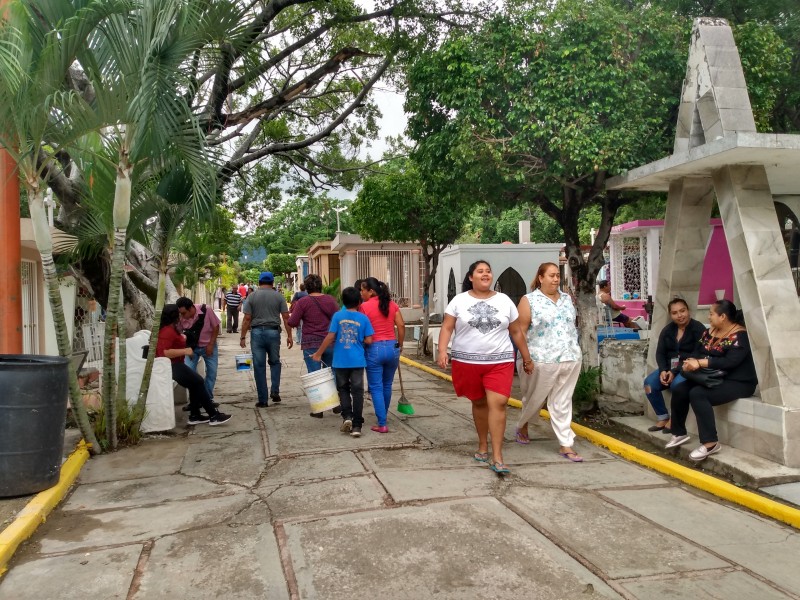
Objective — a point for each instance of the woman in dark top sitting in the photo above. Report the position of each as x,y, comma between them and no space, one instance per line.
676,343
724,346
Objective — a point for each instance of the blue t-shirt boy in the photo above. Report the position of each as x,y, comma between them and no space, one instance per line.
348,332
350,328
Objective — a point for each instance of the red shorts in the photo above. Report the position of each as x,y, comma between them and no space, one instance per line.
473,380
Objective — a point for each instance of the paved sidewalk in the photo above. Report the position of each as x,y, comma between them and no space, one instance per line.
276,504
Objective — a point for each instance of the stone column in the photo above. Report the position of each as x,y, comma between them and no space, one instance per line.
763,280
683,250
349,268
416,277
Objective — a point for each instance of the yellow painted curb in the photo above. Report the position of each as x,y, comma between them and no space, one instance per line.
36,511
712,485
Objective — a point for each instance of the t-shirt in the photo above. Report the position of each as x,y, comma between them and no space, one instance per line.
233,299
350,327
265,306
170,339
383,326
314,312
298,295
210,325
481,332
243,290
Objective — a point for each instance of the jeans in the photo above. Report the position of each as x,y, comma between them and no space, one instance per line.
312,365
198,396
233,319
655,396
382,361
211,366
702,401
266,343
298,334
350,385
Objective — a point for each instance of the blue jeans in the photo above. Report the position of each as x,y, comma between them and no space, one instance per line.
211,366
312,365
266,343
382,361
655,396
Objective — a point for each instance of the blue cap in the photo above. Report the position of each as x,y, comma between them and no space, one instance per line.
266,277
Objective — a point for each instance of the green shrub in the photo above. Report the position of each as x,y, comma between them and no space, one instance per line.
587,389
129,421
334,289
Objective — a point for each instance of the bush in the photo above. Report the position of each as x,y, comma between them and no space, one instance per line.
129,421
584,398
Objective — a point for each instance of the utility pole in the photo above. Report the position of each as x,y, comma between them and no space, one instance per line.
10,251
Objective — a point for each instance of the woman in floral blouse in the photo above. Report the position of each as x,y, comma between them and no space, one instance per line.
548,316
724,346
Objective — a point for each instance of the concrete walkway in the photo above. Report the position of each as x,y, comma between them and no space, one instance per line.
278,505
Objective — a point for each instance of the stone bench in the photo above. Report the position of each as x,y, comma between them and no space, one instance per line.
746,424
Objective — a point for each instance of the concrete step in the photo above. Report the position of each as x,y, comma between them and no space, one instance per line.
730,463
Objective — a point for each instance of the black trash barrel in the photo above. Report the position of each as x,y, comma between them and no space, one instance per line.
33,411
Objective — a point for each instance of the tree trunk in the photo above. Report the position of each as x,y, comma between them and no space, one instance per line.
44,243
122,209
587,327
431,265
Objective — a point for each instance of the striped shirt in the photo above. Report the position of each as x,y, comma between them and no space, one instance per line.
233,299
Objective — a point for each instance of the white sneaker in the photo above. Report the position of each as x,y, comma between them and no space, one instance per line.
677,440
703,452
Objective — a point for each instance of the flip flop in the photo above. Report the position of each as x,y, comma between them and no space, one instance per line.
522,438
571,456
481,456
499,468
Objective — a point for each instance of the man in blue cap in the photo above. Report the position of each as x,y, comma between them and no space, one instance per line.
263,311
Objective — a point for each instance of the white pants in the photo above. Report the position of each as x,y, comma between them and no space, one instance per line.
554,382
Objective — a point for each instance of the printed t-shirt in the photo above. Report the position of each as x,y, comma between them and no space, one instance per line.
552,336
265,307
209,326
481,332
383,326
170,339
350,327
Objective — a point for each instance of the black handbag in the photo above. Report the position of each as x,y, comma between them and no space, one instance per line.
704,376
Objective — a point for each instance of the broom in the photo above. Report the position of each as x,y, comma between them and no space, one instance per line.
403,405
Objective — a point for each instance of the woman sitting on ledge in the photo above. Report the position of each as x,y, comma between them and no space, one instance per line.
725,349
676,342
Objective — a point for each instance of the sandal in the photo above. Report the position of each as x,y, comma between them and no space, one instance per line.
499,468
574,457
481,456
522,438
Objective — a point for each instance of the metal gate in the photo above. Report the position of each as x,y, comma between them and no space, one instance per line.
30,302
390,266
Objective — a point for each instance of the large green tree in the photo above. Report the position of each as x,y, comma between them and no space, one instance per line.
400,205
542,105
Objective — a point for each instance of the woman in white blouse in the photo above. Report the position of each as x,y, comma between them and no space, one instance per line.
547,315
483,356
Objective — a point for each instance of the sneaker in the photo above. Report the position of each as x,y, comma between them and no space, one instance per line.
261,405
198,420
677,440
380,428
703,452
275,398
355,432
318,415
337,410
347,425
186,408
219,419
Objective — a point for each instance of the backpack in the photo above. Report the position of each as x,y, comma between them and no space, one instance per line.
193,333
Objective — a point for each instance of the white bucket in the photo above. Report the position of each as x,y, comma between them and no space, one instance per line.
244,362
320,389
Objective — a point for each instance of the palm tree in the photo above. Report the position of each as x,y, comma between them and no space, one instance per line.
138,66
34,64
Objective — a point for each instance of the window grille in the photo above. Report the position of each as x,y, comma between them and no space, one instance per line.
393,267
30,302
